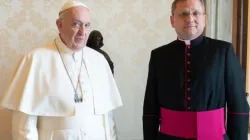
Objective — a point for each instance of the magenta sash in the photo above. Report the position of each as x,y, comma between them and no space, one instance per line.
203,125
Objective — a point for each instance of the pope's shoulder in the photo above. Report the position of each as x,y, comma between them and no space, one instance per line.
44,50
49,49
93,53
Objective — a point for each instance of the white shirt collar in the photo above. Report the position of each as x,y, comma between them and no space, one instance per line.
65,50
187,42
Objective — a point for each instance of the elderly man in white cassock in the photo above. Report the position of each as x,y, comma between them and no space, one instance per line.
64,90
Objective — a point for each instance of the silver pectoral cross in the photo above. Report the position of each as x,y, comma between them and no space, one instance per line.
77,99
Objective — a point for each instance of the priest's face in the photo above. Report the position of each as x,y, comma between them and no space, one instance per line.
74,27
188,19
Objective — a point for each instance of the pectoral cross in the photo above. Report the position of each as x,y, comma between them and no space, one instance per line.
77,99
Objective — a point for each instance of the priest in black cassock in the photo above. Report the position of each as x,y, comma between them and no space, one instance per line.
195,87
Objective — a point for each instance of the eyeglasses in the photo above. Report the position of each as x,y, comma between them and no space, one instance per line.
184,14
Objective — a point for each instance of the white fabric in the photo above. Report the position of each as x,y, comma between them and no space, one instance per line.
110,126
84,125
187,42
24,127
41,86
71,4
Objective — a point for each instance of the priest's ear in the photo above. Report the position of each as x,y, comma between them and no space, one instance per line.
172,21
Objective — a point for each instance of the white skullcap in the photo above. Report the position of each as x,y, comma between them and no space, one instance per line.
72,3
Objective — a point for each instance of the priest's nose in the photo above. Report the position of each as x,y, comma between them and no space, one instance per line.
190,19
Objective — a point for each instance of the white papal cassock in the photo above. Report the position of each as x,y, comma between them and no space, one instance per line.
41,95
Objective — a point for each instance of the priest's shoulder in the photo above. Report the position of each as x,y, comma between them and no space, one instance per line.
216,43
165,47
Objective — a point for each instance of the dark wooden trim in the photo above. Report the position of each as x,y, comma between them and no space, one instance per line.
240,40
204,31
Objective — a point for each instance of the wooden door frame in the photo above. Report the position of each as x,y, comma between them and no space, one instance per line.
240,30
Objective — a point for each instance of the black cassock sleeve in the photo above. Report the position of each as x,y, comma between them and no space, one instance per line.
151,109
237,105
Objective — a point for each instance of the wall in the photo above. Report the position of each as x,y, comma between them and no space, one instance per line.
219,19
131,29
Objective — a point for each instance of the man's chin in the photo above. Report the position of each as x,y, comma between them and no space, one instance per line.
78,47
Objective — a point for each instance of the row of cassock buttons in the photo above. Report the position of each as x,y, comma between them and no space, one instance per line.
188,55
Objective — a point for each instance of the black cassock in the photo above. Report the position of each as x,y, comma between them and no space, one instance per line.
202,76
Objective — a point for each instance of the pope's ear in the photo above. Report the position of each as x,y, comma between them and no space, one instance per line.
59,24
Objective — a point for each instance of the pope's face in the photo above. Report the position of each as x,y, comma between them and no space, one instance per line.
74,27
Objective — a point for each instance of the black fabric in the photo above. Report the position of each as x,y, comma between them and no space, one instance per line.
216,79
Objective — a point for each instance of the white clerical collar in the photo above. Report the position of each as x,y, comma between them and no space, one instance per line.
65,50
194,41
187,42
62,47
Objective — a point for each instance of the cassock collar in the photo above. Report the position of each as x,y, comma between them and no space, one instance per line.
65,50
195,42
62,47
